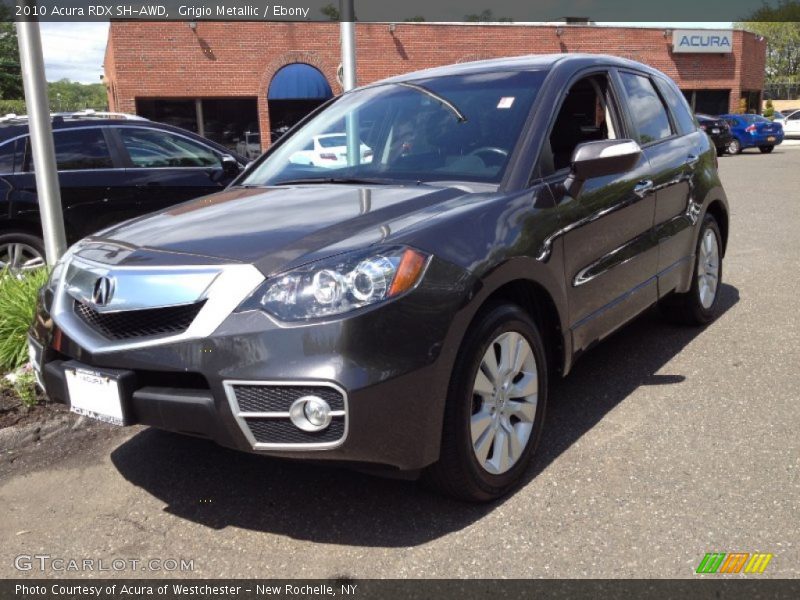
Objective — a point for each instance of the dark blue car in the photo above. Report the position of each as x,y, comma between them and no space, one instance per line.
753,131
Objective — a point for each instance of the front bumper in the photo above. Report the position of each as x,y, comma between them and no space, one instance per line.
391,364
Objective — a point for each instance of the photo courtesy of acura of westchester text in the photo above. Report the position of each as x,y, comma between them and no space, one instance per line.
336,297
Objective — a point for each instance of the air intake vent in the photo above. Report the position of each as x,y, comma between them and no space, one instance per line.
261,398
282,431
264,412
149,322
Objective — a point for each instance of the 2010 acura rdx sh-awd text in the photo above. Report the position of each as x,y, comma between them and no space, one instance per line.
406,307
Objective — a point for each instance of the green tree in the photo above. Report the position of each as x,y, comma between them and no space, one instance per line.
330,11
66,95
780,25
10,72
769,109
486,16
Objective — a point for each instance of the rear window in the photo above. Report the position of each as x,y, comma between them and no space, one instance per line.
649,112
81,149
679,107
333,141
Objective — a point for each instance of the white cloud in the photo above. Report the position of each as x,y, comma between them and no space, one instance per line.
74,50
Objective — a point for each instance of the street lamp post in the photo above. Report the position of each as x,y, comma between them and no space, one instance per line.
347,18
41,136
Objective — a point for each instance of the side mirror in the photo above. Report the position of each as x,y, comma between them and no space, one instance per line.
230,166
598,159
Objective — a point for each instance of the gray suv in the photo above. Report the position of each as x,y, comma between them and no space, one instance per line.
406,304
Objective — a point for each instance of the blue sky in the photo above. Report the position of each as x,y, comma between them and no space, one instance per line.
75,50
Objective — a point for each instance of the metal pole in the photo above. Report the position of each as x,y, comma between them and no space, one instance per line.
41,135
347,17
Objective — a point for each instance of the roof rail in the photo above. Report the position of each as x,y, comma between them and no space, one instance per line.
81,114
100,114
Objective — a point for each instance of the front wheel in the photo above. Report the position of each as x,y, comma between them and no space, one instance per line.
495,407
698,306
766,149
734,147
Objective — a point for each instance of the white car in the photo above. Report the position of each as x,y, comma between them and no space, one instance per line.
249,146
791,124
329,151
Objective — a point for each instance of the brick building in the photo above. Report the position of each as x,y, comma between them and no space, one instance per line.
224,78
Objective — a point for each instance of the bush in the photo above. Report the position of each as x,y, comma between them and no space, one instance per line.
16,107
18,293
769,110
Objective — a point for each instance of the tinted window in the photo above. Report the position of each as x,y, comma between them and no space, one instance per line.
151,148
7,158
81,149
678,106
648,112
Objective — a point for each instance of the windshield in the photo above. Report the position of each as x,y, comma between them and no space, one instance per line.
456,128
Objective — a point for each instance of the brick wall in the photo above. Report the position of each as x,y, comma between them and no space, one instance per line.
226,59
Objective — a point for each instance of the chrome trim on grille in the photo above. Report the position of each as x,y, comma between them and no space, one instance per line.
230,394
137,288
222,287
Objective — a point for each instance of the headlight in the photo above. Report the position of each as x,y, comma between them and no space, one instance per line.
340,284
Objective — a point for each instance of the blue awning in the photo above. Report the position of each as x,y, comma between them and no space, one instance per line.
299,81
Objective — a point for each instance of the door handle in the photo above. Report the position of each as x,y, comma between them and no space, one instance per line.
643,188
692,160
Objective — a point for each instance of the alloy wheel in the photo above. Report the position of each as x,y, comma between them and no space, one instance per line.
18,256
505,395
708,269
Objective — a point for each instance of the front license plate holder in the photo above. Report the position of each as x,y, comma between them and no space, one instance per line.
98,393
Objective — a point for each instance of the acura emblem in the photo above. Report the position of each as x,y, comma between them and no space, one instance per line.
103,290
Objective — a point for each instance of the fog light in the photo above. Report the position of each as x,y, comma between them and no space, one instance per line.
310,413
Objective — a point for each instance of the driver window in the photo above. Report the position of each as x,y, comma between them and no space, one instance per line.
586,115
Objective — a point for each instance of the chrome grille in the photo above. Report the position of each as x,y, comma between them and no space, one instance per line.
150,322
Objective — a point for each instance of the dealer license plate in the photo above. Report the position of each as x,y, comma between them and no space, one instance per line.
771,138
94,395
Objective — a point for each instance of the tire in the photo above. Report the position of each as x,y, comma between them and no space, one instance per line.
699,305
766,149
460,473
734,147
21,251
721,151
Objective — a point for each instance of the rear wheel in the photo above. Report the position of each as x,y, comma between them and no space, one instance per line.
21,252
698,306
495,407
766,149
734,147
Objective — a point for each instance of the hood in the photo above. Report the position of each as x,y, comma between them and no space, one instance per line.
274,227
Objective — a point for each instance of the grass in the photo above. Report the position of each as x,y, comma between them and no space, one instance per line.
18,294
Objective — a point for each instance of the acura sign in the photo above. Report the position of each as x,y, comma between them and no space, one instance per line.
708,41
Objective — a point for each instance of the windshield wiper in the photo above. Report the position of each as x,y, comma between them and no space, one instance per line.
365,180
459,115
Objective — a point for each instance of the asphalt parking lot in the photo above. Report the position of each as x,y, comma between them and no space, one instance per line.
665,443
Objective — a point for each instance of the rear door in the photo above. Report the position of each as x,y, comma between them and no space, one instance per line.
165,168
676,159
